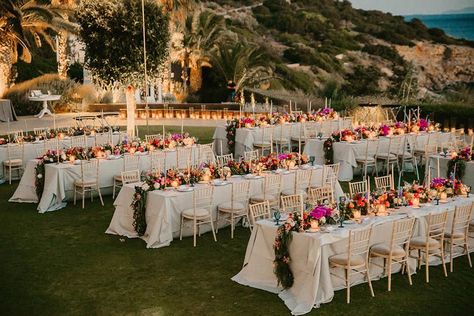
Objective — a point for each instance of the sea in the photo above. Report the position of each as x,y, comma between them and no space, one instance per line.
456,25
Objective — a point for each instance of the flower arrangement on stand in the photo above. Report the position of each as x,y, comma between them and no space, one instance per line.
457,163
231,129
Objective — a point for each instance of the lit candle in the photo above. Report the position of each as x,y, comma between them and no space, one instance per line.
182,125
163,131
356,214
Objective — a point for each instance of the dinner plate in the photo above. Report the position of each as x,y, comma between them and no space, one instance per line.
349,222
220,182
311,231
184,189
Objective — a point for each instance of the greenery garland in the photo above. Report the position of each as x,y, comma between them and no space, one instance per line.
282,259
139,209
328,150
39,179
459,164
231,130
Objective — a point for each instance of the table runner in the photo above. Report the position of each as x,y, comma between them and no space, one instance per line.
313,284
164,209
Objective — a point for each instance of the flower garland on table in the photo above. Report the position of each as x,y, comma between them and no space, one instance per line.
284,235
39,179
457,163
231,130
151,182
328,150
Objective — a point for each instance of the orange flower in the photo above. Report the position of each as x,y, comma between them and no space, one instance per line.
351,205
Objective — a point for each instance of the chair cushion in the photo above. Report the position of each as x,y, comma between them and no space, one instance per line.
405,155
13,162
86,183
386,155
362,159
456,235
118,177
343,260
261,144
260,198
200,212
420,242
384,250
228,206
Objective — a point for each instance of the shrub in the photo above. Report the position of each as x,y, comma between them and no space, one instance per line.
19,93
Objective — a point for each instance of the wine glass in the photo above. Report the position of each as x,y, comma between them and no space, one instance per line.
277,216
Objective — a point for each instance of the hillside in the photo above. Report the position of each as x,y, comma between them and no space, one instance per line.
315,44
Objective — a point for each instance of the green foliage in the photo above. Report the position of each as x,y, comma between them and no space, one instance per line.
76,72
384,51
43,62
19,93
112,33
295,79
362,81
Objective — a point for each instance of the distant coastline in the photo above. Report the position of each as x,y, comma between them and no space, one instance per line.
459,25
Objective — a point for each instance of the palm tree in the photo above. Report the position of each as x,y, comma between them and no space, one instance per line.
201,32
65,7
24,23
242,63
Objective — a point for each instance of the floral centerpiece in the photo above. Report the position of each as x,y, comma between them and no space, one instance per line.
400,128
358,205
239,167
385,130
326,114
381,200
321,215
415,194
457,163
365,132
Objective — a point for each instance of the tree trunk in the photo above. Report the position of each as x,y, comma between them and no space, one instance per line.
196,78
63,62
131,106
6,61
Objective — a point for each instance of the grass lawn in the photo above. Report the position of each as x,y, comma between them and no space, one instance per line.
62,263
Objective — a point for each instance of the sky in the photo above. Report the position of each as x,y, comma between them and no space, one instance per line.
406,7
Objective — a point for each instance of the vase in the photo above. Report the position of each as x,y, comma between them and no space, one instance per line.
356,214
443,196
314,225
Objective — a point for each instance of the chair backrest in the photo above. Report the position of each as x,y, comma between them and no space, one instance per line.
266,134
40,152
183,157
385,182
103,139
359,187
430,150
206,153
15,151
371,148
395,144
251,155
433,139
260,211
347,122
224,159
272,184
132,176
309,130
152,137
13,135
326,128
303,179
462,218
436,225
38,131
292,203
284,132
331,174
89,170
359,242
240,192
321,195
202,197
79,141
402,230
131,162
158,161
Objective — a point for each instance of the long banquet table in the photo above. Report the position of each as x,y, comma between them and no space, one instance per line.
442,162
346,152
245,137
314,284
31,149
163,209
59,180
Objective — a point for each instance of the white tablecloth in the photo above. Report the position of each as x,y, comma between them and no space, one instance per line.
59,180
346,152
309,253
245,137
468,177
31,149
164,209
7,111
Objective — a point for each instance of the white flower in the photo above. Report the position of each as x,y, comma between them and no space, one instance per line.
51,159
322,221
45,157
63,157
40,176
145,187
156,185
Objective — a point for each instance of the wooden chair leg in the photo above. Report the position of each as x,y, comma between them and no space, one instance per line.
467,252
213,230
427,266
389,262
451,246
408,271
194,231
368,278
181,228
232,225
100,196
75,194
443,261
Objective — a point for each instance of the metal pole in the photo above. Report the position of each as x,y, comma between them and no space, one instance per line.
144,61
